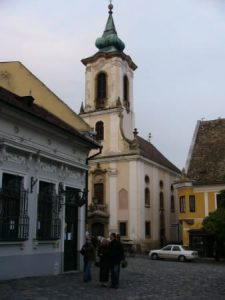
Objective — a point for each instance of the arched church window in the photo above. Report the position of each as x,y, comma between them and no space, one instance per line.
147,197
126,92
101,90
161,184
123,199
147,179
99,129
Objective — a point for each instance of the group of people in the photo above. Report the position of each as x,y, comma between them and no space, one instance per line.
109,254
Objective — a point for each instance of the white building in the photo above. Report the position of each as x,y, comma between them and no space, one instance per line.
130,182
43,166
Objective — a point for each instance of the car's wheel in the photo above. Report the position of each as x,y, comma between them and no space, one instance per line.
181,258
154,256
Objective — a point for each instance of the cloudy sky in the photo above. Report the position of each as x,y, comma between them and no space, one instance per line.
178,45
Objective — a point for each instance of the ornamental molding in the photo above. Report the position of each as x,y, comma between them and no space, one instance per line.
15,158
48,167
112,172
75,175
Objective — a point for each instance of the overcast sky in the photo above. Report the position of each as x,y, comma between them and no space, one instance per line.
178,46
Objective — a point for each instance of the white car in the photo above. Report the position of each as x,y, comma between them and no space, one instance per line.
177,252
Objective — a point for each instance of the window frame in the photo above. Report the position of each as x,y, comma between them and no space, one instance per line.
101,90
182,202
123,223
48,209
148,229
147,197
14,219
99,192
192,206
99,129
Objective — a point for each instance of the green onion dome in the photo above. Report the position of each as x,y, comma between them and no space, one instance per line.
109,41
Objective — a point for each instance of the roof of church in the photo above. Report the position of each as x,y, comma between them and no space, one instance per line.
110,42
207,155
149,151
27,105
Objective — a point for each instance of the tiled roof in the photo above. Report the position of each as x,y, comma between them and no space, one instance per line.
150,152
27,105
207,160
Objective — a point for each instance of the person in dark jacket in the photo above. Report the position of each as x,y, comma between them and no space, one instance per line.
116,255
103,253
88,252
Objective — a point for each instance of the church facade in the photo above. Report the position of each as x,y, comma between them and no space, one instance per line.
130,183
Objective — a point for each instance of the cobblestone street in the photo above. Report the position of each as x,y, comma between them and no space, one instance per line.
142,279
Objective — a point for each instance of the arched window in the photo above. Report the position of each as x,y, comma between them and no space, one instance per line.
147,197
126,100
147,180
123,199
161,201
125,88
101,90
99,128
161,184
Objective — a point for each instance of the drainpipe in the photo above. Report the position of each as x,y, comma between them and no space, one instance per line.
86,179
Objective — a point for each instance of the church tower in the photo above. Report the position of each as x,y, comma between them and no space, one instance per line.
123,180
108,106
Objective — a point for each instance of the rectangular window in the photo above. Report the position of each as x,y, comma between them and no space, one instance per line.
147,229
99,193
14,221
192,203
182,204
123,228
48,223
219,200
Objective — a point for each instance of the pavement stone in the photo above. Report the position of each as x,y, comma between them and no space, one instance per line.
143,279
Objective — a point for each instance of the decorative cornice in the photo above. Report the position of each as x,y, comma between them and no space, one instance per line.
110,55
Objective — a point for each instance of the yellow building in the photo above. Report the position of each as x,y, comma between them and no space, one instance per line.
199,188
16,78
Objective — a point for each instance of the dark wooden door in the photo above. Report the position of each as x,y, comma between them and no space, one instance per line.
71,226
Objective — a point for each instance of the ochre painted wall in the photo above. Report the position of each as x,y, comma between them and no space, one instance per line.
15,77
193,220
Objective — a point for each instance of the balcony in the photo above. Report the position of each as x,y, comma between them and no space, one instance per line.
98,210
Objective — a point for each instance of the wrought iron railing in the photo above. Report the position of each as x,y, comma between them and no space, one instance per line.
48,229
